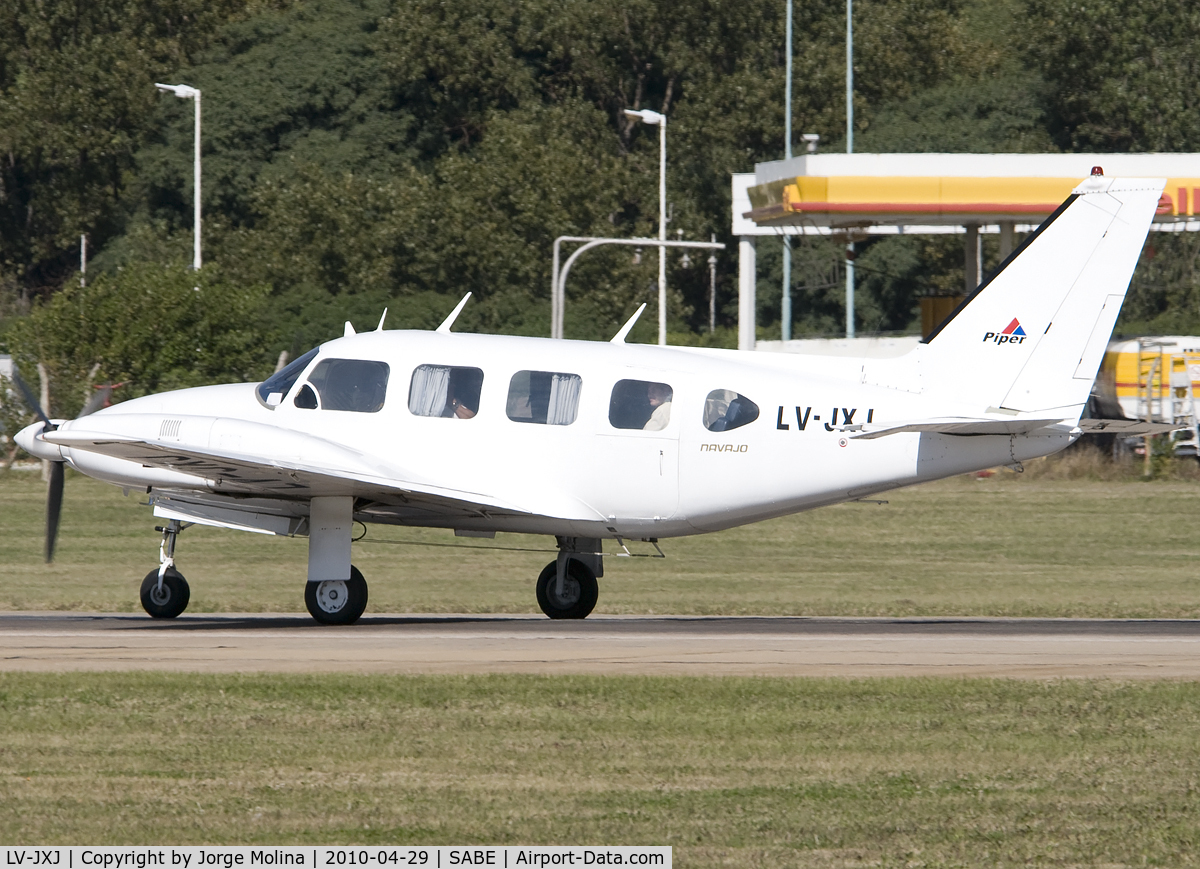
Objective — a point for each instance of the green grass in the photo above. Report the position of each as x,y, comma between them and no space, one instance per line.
1007,545
731,772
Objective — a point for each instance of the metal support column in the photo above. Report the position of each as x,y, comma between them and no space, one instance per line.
850,289
972,258
747,303
1007,233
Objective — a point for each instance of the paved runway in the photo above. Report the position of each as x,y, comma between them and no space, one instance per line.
1021,648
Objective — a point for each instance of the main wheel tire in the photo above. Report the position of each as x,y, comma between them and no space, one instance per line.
580,591
170,600
336,601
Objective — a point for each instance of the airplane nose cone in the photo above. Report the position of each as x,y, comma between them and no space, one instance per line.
28,440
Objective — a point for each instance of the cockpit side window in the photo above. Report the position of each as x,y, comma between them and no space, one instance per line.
725,410
305,398
640,404
443,390
357,385
272,391
545,397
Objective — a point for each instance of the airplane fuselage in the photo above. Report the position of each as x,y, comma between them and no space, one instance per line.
596,476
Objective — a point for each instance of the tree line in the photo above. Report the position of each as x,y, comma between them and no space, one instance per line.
368,153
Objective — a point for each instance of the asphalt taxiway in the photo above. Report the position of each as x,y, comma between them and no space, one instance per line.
292,643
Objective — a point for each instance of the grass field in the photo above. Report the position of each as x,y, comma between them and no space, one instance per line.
731,772
1006,545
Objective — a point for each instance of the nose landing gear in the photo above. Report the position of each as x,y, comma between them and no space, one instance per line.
165,593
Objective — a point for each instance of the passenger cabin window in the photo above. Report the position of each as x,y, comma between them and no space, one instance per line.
357,385
440,390
544,397
275,388
725,410
640,404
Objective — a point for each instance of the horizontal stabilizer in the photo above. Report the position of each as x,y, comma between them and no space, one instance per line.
964,426
1127,426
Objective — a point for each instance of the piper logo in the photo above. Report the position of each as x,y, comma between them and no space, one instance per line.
1012,334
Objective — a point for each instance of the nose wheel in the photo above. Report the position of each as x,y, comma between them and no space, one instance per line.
165,593
165,599
337,601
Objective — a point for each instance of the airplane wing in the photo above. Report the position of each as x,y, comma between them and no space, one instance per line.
343,472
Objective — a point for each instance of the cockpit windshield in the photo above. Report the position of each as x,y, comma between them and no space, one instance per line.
272,391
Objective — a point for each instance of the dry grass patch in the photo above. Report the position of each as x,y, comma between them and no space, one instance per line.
728,771
1008,545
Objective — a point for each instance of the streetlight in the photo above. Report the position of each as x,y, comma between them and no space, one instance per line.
648,117
785,307
186,92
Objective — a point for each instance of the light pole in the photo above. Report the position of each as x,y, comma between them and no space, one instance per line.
785,307
850,150
186,92
648,117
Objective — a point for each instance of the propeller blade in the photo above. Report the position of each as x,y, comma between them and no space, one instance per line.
54,502
99,399
30,399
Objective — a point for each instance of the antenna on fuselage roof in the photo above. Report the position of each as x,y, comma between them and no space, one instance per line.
449,321
619,338
381,319
349,331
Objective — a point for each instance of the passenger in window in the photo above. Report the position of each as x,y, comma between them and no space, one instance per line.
659,395
632,405
460,410
462,399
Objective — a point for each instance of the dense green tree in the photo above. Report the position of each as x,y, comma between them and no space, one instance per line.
76,100
368,153
1125,76
1122,75
150,327
1164,297
507,131
288,86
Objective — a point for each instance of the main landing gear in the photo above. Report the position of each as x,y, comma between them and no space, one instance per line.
165,593
337,601
567,588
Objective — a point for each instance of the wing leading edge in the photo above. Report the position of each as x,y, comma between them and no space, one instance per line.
231,473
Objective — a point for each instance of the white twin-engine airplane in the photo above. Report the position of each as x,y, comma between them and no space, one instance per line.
592,441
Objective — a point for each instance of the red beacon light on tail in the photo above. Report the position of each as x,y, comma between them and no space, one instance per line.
1097,170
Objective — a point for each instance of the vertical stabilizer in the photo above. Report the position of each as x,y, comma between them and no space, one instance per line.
1031,337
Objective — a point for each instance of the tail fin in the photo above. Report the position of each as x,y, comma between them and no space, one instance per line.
1031,338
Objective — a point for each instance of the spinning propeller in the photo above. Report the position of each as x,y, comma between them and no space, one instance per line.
54,495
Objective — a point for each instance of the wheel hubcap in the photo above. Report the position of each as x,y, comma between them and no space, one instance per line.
570,593
160,594
332,595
